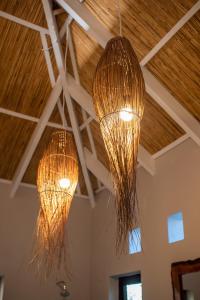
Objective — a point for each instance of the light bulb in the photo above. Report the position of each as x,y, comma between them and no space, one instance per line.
64,183
126,114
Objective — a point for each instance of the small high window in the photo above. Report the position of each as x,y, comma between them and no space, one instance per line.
175,228
135,241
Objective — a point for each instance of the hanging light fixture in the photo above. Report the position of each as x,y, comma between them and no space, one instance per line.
118,91
56,182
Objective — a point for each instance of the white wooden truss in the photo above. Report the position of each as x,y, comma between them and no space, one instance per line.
73,91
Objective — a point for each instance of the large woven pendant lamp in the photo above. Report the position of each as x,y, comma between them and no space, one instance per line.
56,182
118,91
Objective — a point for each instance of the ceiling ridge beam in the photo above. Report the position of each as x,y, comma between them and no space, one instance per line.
33,142
154,88
23,22
55,39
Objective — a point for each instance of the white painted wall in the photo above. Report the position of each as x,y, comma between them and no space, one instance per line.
175,187
17,221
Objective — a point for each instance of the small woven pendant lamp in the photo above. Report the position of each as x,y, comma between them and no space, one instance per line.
57,179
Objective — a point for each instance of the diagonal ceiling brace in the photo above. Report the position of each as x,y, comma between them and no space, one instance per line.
55,39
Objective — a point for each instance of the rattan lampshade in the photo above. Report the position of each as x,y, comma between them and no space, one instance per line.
118,91
56,182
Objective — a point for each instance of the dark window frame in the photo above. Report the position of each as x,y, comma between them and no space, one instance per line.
124,281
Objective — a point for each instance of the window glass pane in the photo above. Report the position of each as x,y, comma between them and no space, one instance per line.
135,241
134,291
175,228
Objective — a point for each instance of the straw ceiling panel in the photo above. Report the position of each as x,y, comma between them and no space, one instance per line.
25,85
24,82
28,10
177,65
14,136
144,22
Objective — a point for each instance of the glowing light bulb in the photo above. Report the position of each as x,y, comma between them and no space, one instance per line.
126,114
64,183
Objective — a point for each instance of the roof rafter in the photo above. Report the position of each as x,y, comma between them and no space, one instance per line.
96,30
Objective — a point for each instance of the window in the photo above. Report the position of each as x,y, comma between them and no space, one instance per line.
1,287
175,228
130,287
135,241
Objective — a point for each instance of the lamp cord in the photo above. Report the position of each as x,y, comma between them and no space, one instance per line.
119,16
65,60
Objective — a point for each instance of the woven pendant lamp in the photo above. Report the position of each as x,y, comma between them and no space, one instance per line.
56,183
118,91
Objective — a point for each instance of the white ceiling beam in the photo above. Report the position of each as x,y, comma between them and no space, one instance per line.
98,169
174,109
158,92
55,39
62,31
86,122
12,113
39,129
190,13
51,75
86,20
81,96
23,22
